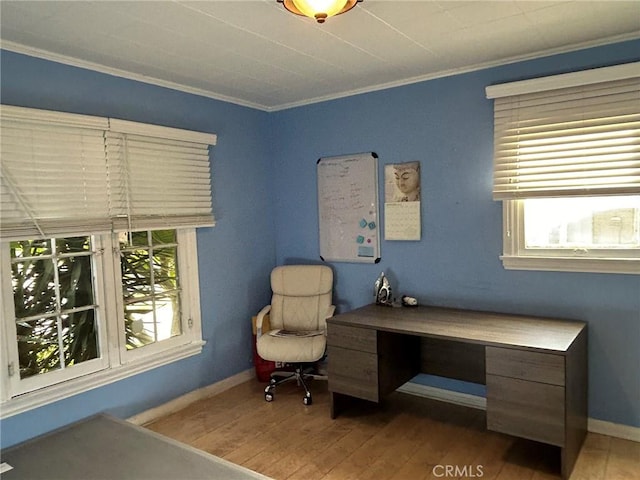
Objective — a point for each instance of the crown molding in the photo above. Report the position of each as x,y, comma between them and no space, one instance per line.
75,62
461,70
116,72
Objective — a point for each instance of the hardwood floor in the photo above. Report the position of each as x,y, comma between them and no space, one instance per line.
408,438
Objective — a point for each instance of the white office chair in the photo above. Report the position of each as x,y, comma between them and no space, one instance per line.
300,305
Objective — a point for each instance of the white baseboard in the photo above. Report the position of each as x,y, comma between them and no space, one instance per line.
614,429
593,425
188,398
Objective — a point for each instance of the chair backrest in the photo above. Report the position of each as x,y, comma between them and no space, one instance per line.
301,296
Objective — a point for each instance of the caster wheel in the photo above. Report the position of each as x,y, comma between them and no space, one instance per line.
268,397
307,400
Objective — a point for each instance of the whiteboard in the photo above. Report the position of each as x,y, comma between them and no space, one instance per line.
348,208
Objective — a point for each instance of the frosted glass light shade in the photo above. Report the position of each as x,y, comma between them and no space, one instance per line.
319,9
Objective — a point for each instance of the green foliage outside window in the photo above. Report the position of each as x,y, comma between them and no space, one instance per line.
150,286
55,306
54,303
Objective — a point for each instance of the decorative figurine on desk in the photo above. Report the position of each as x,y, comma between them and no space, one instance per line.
382,291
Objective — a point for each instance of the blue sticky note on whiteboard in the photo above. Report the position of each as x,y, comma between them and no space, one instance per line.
372,225
360,239
363,223
364,251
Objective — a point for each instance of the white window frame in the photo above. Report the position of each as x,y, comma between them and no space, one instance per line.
190,313
117,363
18,386
517,257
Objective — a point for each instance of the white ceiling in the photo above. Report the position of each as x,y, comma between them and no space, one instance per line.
255,53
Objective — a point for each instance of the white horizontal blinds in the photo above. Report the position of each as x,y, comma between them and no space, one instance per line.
67,174
580,140
53,174
160,178
118,181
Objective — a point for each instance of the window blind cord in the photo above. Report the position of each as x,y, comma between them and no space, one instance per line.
127,189
16,194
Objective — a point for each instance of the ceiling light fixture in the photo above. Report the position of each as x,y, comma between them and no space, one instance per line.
319,9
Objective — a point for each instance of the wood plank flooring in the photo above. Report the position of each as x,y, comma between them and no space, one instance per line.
407,438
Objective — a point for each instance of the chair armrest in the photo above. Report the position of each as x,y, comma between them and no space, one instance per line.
259,320
331,311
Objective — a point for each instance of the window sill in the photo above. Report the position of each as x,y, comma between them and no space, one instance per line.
572,264
44,396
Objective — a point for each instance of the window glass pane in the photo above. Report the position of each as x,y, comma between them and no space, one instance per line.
76,289
131,239
139,324
582,222
79,337
136,274
33,287
165,268
151,289
152,321
159,237
73,244
168,317
30,248
140,238
38,348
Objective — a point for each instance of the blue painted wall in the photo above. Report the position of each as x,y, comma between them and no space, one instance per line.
447,124
235,257
265,202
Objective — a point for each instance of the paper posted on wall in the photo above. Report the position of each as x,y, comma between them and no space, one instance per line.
402,201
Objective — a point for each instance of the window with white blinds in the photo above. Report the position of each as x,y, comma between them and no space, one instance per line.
79,304
582,139
567,167
67,174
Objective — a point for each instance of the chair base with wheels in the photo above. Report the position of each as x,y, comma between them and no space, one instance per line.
301,373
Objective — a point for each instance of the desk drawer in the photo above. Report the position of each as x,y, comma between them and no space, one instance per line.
526,409
353,373
525,365
355,338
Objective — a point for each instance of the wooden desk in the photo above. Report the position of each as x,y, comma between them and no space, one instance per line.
535,369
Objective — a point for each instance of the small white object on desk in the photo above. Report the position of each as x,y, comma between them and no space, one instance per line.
408,301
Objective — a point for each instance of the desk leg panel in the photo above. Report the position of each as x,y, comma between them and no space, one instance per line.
576,402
